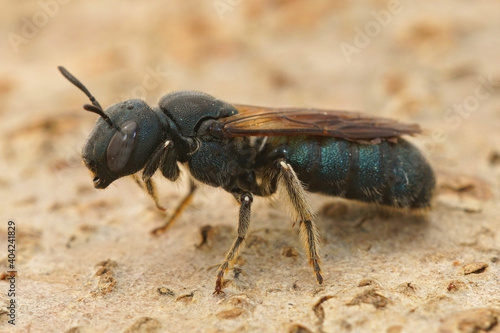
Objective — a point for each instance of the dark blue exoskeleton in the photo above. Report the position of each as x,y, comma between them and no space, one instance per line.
391,174
250,151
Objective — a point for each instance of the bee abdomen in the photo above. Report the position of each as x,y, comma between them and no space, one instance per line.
391,174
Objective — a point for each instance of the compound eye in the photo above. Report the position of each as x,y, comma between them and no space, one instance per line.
121,146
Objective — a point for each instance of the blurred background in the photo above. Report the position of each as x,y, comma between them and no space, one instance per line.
432,63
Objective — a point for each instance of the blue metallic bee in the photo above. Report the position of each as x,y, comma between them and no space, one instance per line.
248,150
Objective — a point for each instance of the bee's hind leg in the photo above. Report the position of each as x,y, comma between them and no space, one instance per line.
281,174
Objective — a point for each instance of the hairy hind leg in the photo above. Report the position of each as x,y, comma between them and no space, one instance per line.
309,235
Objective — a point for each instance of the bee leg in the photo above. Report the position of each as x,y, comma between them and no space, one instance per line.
150,188
298,198
137,180
156,160
244,221
180,208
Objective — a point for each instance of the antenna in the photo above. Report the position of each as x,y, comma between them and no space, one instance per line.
95,107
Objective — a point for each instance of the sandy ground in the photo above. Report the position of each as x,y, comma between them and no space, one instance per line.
85,259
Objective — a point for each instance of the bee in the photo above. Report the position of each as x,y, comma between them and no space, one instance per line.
255,151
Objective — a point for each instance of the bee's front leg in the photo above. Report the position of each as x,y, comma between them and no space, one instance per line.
150,188
178,210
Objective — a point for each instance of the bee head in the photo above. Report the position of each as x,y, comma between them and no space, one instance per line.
123,138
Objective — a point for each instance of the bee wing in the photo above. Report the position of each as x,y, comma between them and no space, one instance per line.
262,121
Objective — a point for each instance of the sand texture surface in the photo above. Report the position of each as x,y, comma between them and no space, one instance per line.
85,258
